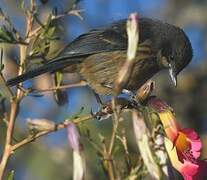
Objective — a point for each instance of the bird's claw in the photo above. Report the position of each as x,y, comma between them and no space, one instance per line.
104,113
133,100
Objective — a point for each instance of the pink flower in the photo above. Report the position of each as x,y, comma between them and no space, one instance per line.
73,137
183,145
79,168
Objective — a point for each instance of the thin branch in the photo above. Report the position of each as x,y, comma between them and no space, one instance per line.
14,106
59,126
115,126
41,25
110,162
75,12
81,83
123,141
37,91
34,32
30,18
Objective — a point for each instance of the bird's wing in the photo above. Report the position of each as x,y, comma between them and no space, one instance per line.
107,39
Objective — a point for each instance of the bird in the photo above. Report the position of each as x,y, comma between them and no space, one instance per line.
99,54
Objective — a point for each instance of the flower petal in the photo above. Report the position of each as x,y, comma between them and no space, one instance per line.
182,143
170,125
194,140
171,150
187,168
190,133
73,136
158,104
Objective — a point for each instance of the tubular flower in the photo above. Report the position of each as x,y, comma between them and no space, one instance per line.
79,168
183,145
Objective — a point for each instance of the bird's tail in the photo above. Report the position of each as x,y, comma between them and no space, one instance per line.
54,65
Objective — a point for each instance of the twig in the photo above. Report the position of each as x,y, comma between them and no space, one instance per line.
116,112
109,162
7,149
81,83
59,126
14,105
36,91
14,108
110,169
75,12
30,18
123,140
34,32
115,126
71,12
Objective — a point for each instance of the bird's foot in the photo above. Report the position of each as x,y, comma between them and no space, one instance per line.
132,97
106,110
130,94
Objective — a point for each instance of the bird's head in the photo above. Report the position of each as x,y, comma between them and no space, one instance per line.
178,53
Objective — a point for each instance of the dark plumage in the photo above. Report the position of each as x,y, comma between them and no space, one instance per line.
99,54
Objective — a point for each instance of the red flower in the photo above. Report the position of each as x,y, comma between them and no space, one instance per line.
183,145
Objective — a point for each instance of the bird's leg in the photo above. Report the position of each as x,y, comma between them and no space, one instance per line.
132,96
106,110
98,99
127,92
102,114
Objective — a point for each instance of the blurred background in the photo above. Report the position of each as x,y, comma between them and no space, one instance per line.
50,157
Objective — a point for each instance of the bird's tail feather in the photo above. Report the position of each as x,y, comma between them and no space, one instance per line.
52,66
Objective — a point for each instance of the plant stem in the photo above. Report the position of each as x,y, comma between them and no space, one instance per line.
59,126
13,113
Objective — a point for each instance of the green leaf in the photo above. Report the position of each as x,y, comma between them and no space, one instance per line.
59,77
11,175
6,36
22,4
40,47
50,32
